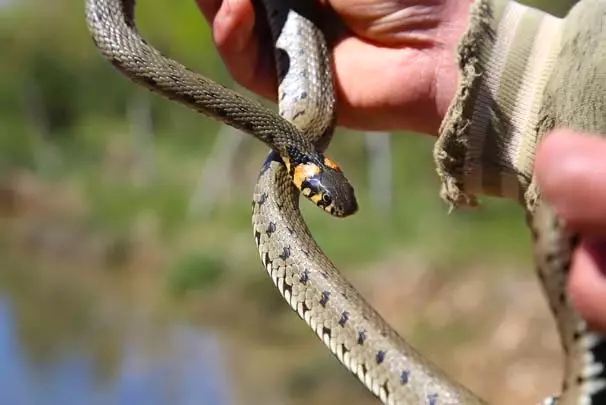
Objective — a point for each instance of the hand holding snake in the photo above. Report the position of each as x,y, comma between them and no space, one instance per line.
372,46
403,50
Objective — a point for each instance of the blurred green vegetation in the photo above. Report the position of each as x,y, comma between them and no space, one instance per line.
65,118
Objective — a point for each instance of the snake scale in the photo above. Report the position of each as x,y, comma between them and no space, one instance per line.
353,331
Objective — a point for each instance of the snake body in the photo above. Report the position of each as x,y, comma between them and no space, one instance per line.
353,331
585,350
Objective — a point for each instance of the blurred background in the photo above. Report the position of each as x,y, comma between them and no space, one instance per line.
129,273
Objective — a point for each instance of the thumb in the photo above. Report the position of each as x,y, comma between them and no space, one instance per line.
571,171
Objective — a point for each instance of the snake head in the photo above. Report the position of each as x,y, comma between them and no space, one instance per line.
327,187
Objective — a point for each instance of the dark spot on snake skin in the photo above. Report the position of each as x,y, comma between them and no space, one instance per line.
258,237
324,274
283,60
599,357
290,230
344,349
250,127
364,369
365,317
304,277
404,377
344,318
305,252
305,308
262,199
271,228
580,380
361,336
326,331
380,356
221,112
385,388
344,295
600,396
432,399
324,299
99,16
117,63
266,164
298,114
150,81
287,288
577,335
188,98
562,298
384,333
285,253
266,259
303,95
296,157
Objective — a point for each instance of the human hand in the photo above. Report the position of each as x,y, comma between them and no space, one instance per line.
571,170
395,68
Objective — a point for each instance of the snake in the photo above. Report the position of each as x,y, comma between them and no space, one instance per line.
298,135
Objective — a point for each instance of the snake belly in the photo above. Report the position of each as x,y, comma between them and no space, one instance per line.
353,331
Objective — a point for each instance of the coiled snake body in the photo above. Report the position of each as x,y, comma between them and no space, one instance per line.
304,275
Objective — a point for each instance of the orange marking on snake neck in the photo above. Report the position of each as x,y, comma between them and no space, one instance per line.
316,198
303,172
331,164
286,161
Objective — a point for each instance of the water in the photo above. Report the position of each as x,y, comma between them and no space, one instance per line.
186,371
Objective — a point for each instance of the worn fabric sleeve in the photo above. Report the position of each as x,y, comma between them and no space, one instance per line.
523,73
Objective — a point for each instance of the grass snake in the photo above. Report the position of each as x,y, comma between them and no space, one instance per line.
353,331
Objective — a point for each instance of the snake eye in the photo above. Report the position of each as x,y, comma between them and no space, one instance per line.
327,199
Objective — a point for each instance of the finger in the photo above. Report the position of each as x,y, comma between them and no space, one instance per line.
587,284
233,23
571,171
385,106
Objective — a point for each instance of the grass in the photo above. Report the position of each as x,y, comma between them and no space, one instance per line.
419,219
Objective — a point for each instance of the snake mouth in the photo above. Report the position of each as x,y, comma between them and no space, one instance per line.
331,191
347,205
351,205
